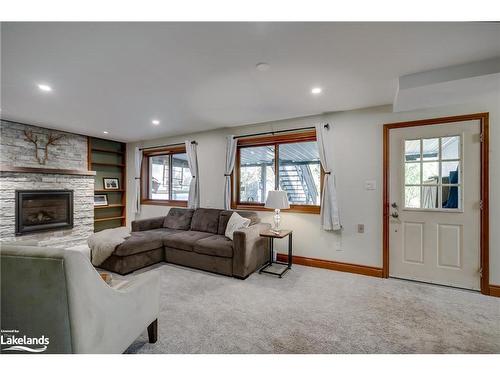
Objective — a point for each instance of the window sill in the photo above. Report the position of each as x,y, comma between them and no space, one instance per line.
158,202
293,208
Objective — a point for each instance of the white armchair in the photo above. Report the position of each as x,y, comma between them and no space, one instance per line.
57,293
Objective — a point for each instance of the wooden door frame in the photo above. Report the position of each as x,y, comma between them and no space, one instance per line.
483,118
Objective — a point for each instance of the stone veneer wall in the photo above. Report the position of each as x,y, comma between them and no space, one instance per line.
69,153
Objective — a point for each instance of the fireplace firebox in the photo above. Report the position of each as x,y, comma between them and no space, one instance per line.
43,210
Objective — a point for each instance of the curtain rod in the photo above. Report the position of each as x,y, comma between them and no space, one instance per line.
170,145
326,126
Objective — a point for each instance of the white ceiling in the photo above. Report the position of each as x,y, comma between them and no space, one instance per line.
199,76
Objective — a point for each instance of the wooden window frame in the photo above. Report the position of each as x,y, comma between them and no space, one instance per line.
272,140
146,178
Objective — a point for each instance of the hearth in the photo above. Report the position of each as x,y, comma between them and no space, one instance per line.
43,210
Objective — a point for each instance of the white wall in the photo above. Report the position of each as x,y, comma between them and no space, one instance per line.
357,155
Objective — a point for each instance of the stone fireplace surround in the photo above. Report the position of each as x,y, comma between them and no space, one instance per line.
66,169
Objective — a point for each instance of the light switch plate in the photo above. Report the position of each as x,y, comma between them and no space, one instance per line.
370,185
361,228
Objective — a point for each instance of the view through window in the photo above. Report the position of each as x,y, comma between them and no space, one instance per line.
432,173
169,177
290,166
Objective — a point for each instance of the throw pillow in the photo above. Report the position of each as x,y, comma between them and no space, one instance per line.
235,222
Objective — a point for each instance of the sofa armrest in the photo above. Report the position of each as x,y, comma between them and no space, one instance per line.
250,249
148,224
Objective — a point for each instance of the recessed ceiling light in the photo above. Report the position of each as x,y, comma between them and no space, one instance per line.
155,122
105,132
262,67
44,87
316,90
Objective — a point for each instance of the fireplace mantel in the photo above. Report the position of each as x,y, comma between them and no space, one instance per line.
74,172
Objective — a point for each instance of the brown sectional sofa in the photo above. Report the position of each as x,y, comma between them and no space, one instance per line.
193,238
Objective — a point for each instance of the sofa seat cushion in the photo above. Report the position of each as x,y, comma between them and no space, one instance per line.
206,220
184,240
165,231
178,218
138,242
217,245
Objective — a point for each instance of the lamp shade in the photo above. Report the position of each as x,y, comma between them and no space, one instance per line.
277,199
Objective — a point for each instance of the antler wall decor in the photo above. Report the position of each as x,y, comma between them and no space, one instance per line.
51,140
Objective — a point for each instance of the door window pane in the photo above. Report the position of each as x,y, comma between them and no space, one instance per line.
451,196
300,172
430,172
450,172
412,173
181,177
430,197
412,196
450,147
412,150
257,176
432,175
430,149
159,177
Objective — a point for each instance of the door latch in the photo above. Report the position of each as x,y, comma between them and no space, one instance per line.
394,213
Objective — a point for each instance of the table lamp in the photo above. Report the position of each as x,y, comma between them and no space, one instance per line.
277,200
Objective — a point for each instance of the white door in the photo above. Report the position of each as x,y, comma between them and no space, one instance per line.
434,233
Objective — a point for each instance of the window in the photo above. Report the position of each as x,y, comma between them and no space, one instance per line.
286,162
432,173
165,177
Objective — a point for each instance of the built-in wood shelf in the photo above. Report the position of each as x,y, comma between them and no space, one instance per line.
109,206
109,164
76,172
109,159
97,149
108,219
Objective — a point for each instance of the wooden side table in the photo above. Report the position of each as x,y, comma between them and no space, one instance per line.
272,235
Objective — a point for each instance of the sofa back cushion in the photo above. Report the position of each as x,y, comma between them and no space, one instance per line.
179,218
226,214
206,220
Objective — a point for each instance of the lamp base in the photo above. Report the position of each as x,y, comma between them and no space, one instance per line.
277,220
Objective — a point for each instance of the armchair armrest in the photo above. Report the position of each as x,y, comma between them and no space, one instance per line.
148,224
250,249
104,319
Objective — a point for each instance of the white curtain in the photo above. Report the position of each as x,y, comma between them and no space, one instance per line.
230,159
137,192
429,194
194,186
330,219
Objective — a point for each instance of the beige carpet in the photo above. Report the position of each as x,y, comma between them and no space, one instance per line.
318,311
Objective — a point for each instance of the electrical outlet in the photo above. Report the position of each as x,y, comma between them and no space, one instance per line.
361,228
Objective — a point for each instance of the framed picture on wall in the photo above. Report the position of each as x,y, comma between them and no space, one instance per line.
110,183
100,200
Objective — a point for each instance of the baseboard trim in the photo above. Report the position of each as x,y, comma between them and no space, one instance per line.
494,290
332,265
